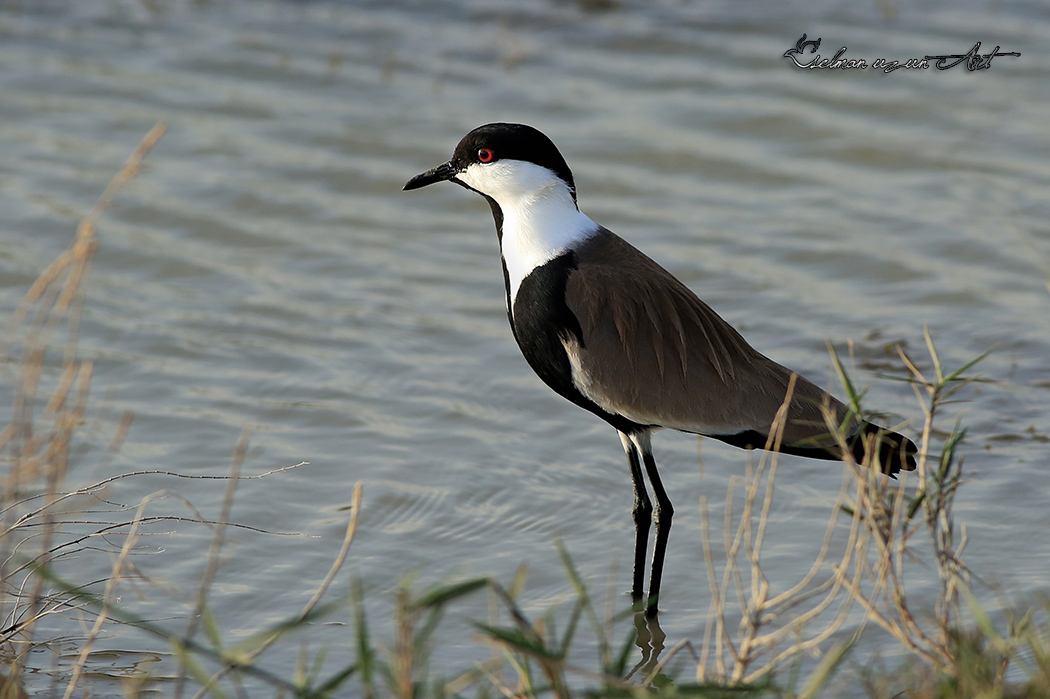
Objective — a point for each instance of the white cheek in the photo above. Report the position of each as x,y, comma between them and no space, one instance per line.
489,178
510,180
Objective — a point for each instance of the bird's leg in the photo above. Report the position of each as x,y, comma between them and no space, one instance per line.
643,514
662,515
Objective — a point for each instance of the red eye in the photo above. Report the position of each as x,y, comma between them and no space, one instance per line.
485,155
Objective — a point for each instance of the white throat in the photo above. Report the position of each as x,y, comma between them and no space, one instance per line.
540,218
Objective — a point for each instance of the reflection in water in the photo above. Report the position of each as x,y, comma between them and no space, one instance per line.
649,638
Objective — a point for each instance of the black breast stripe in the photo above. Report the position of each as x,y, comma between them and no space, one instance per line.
497,216
540,320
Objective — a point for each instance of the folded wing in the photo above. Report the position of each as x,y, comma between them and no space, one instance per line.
653,352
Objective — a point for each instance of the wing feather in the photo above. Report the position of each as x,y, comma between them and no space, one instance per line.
655,353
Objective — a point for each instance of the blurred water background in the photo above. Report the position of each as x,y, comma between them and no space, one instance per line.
266,271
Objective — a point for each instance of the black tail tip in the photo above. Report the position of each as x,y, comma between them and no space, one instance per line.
896,452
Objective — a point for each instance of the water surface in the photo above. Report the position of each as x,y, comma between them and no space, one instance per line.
266,271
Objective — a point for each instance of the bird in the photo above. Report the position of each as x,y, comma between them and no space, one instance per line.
612,331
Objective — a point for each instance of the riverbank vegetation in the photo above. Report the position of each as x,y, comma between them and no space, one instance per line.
763,638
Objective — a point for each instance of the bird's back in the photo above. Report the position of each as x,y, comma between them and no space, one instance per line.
652,351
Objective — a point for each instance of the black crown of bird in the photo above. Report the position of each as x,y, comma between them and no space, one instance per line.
612,331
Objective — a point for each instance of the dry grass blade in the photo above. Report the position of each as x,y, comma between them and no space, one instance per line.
888,515
767,621
337,564
107,597
870,572
79,255
37,446
214,550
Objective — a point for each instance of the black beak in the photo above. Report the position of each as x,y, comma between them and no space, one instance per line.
438,174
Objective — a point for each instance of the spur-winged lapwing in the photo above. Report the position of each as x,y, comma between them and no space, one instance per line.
617,334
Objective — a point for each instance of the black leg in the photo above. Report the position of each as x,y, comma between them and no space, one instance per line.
643,514
662,518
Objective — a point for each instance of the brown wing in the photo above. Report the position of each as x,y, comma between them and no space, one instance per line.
655,353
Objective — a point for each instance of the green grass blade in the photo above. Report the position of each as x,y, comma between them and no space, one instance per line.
445,594
818,679
938,372
211,626
334,682
954,376
516,640
570,630
365,652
